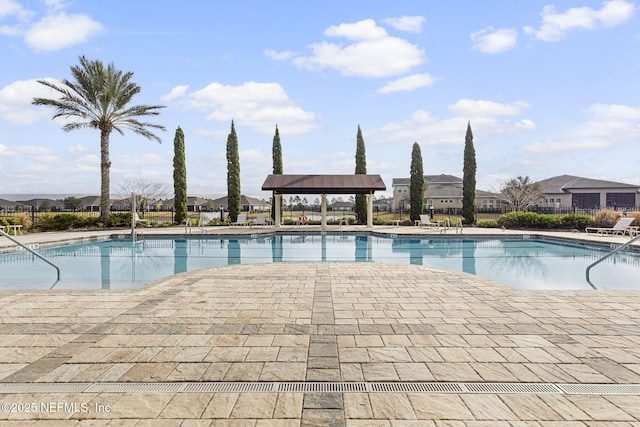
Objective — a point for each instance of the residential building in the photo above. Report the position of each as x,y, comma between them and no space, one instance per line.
567,191
442,192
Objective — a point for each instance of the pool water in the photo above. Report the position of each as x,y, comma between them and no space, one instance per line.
519,263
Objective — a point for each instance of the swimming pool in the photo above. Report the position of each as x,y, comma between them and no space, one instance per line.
516,262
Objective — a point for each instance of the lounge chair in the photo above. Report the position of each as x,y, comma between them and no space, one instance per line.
261,219
619,227
138,220
241,220
425,221
204,220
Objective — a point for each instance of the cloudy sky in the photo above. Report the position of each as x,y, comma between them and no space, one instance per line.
549,88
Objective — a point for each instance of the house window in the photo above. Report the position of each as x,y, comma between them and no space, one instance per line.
586,200
625,200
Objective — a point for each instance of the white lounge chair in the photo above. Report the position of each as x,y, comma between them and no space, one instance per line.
619,227
425,221
261,219
205,219
138,220
241,220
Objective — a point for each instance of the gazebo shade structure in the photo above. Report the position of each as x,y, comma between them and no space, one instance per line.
324,184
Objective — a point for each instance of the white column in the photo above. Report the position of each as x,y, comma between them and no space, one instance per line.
369,210
277,204
323,221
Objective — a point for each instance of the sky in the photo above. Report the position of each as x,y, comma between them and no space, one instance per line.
549,88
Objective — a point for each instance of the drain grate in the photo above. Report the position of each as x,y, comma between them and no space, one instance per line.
599,389
320,387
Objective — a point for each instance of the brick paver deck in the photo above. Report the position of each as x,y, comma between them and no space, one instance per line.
319,322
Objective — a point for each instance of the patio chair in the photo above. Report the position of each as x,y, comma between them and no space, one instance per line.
618,228
425,221
138,220
241,220
204,220
260,219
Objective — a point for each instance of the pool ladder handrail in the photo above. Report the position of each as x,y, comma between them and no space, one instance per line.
616,250
17,242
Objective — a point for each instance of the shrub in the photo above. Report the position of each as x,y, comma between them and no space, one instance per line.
487,223
64,221
606,218
528,220
120,219
575,221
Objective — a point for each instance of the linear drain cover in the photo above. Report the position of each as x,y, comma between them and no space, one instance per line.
626,389
512,388
321,387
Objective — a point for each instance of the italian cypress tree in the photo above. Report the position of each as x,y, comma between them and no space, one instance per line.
233,175
361,168
179,178
416,183
469,179
276,154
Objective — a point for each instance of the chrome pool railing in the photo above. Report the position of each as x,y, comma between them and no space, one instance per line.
616,250
26,248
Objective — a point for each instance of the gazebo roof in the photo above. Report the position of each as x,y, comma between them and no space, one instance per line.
324,184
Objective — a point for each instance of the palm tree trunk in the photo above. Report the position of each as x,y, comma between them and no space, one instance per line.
105,165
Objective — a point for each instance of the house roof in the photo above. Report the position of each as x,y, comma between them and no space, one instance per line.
430,180
568,183
323,184
244,200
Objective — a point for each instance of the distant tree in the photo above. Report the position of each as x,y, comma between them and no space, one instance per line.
140,192
45,206
416,184
469,179
361,168
233,174
99,98
521,193
72,203
179,178
276,154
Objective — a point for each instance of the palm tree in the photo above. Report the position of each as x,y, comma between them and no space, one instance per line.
98,99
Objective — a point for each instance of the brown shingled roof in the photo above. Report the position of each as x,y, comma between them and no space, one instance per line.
324,184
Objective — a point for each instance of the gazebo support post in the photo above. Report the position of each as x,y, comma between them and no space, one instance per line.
369,210
278,204
323,221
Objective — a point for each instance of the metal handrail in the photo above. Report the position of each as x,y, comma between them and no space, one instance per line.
616,250
2,233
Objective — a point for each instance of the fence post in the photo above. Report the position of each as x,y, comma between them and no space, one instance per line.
33,215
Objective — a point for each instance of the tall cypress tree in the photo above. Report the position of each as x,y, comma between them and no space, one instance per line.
179,178
233,175
469,179
416,183
276,154
361,168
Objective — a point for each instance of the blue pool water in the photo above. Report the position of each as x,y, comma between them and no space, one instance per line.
519,263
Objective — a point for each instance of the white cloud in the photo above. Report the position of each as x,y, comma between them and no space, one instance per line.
176,92
259,106
608,125
279,56
15,102
410,24
61,31
409,83
55,31
490,40
370,52
473,108
555,26
427,129
358,31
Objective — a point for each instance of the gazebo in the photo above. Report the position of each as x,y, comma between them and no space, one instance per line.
324,184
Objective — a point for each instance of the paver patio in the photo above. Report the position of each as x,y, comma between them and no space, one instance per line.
319,322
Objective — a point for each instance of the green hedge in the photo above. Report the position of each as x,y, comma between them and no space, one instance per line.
544,221
65,221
